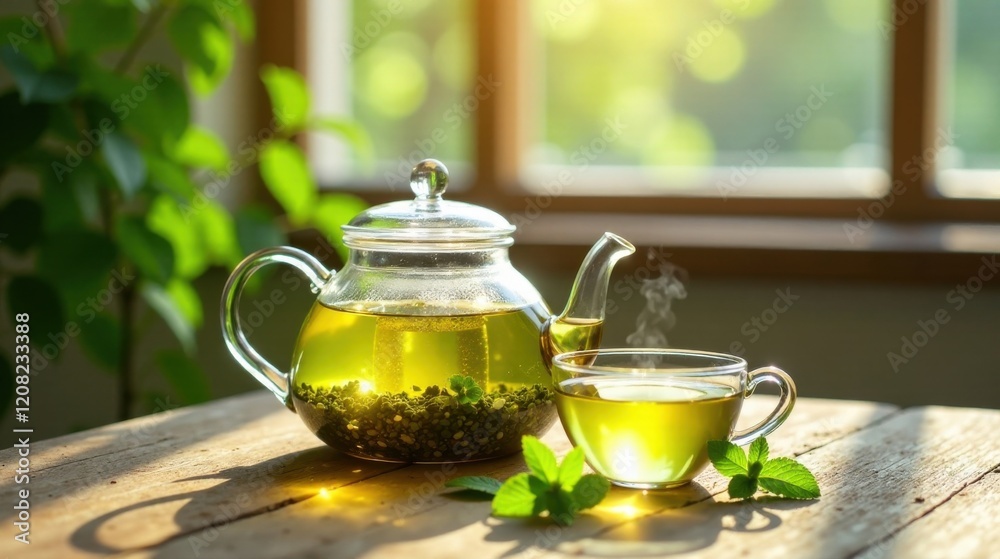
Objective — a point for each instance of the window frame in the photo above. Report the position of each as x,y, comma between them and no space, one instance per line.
504,47
913,109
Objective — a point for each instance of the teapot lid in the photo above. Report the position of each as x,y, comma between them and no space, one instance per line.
428,217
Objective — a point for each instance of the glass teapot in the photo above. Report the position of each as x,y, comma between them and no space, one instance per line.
428,346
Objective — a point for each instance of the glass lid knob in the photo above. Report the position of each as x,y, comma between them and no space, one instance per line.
429,179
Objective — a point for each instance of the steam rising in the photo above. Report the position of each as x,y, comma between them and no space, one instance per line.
657,317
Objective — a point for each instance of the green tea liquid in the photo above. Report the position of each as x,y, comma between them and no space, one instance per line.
645,430
394,352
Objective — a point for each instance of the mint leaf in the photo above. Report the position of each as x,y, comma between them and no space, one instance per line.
590,490
728,458
562,490
561,506
754,471
522,495
742,487
788,478
758,451
483,484
571,469
540,459
465,389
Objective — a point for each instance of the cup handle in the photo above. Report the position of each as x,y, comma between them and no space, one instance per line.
786,400
232,328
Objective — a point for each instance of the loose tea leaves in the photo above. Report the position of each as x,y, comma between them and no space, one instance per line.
435,425
781,476
558,492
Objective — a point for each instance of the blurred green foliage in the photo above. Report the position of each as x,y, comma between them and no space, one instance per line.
126,202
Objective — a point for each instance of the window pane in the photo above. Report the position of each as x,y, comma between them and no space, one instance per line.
969,168
398,69
716,95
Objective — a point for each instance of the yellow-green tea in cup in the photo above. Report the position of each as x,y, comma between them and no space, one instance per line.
646,423
633,431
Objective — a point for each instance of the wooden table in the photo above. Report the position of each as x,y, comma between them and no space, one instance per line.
243,478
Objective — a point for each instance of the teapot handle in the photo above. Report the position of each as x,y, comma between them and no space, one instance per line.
232,328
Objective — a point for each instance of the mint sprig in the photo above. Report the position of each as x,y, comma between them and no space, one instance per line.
558,491
465,389
781,476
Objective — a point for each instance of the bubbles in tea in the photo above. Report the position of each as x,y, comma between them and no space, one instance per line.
636,430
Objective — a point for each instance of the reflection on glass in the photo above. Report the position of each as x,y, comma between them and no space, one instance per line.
690,86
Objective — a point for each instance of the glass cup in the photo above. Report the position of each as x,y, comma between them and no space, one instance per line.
644,416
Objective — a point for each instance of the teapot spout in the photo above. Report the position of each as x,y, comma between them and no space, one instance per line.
580,324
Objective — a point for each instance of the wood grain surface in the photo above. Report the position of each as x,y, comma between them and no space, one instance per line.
243,477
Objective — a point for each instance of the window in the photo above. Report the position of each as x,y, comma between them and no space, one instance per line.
721,107
970,89
734,96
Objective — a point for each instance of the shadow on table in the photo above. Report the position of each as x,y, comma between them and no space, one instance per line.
246,492
634,523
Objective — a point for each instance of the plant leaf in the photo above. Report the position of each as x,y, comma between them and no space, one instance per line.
151,253
93,27
473,395
289,95
561,506
21,220
521,496
244,20
38,298
590,490
167,218
286,174
571,468
240,14
23,125
79,263
217,231
169,178
187,301
333,212
184,375
742,487
727,458
49,86
483,484
352,133
204,44
758,451
100,338
38,50
199,147
110,89
162,118
256,229
540,459
61,202
126,163
164,305
788,478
